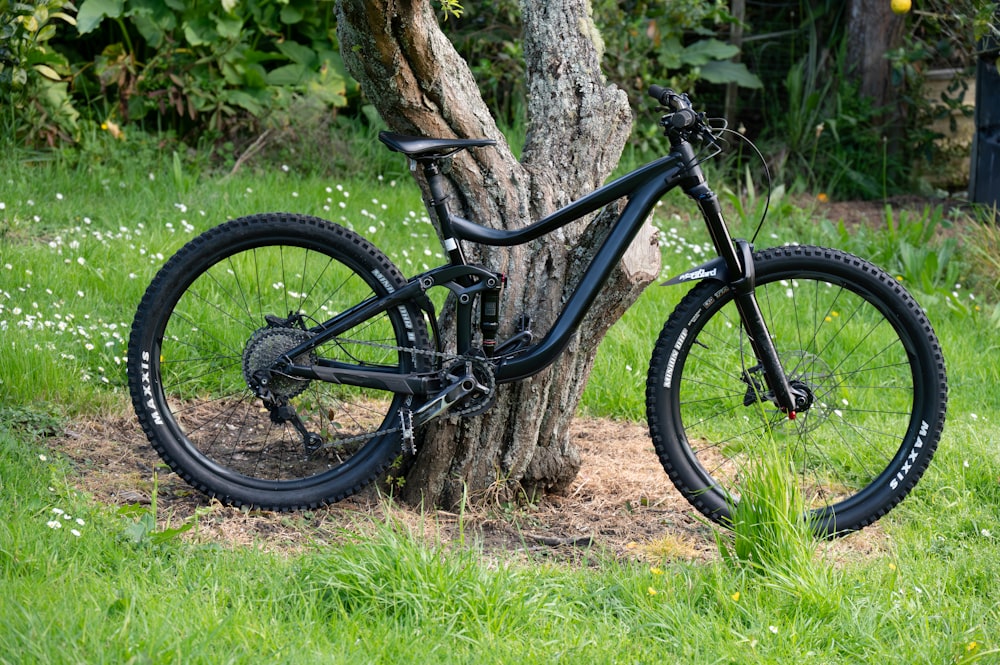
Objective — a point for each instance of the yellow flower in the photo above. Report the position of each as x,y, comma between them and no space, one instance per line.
736,597
972,646
822,197
114,129
892,566
651,591
655,571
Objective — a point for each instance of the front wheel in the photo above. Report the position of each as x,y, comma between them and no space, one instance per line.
215,320
848,336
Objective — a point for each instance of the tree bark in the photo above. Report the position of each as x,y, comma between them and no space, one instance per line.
872,31
578,125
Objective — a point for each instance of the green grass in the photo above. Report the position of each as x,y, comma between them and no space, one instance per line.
77,248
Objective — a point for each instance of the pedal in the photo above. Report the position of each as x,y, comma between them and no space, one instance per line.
514,343
518,340
406,424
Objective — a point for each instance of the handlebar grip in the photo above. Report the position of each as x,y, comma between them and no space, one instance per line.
668,98
661,94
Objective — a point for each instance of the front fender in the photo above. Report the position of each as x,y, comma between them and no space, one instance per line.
715,270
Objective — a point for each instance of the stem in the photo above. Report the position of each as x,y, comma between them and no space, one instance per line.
125,35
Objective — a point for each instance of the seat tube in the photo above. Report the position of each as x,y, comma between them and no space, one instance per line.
439,201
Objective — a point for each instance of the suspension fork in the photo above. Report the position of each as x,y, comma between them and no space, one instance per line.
738,255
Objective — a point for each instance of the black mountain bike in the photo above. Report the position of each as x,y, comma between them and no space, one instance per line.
282,361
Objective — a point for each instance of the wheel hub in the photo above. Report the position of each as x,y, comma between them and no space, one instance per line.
811,380
813,383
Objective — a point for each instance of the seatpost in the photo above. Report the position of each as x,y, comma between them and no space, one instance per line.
439,201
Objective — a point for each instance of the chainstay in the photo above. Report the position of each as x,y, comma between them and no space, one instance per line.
339,443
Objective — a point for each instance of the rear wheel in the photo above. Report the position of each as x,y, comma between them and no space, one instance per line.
221,312
851,338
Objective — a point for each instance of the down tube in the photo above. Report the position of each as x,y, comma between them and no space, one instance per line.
621,235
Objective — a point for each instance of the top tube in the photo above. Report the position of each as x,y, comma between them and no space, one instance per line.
666,167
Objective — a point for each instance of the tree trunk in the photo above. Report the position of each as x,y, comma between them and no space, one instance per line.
872,31
577,128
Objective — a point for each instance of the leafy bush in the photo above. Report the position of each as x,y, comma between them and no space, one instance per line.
674,43
188,66
207,64
32,86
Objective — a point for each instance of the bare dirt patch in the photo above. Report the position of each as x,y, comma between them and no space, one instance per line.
621,505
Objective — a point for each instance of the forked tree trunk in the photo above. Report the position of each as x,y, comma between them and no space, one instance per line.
578,125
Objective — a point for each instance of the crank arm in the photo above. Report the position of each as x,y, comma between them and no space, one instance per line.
454,393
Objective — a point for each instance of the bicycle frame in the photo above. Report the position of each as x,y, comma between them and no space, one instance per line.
643,187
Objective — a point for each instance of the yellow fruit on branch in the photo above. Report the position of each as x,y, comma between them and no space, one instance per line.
901,6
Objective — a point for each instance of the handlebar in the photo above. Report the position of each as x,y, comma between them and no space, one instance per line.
669,98
682,116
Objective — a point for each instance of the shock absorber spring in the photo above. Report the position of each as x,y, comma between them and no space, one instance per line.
489,313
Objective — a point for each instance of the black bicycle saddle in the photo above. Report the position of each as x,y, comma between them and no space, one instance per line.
419,147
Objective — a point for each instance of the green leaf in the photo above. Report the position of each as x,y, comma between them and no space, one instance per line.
166,535
48,72
290,15
229,27
138,532
65,17
330,84
298,53
707,50
254,76
92,12
132,510
288,75
55,97
245,101
149,29
199,32
153,20
45,57
730,72
333,93
46,33
670,53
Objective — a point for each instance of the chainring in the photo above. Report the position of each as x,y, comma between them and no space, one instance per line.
482,399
